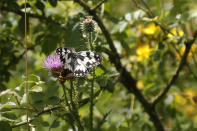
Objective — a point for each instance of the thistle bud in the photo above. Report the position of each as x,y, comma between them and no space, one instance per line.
88,25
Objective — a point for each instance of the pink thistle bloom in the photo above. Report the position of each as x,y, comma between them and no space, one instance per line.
88,20
52,62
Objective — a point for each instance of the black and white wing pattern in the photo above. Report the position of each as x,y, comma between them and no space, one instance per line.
89,59
79,63
64,57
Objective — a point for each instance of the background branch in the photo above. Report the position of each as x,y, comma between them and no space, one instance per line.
128,81
165,30
40,17
175,76
98,5
81,103
36,116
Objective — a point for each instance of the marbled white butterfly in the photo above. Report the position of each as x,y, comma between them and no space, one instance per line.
78,63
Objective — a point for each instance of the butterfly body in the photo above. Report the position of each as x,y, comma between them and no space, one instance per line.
79,63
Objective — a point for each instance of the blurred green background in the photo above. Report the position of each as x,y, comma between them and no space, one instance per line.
148,52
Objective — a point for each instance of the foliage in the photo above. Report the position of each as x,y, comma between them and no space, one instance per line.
151,38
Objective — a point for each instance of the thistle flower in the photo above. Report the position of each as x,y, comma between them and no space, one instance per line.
52,62
88,25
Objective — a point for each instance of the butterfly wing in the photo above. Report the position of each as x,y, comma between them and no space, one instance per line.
78,63
89,59
80,69
64,54
85,61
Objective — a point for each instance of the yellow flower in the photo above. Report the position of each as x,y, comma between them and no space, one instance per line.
191,95
190,92
151,29
140,84
175,32
143,52
180,99
195,119
190,110
191,53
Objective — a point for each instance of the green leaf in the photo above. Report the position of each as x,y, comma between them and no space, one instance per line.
40,5
120,27
13,5
99,71
7,105
5,126
49,44
169,99
146,127
45,124
36,88
138,14
39,104
110,85
36,96
33,77
55,124
124,129
53,3
156,56
21,24
102,81
73,35
161,45
51,89
9,116
52,100
50,40
23,100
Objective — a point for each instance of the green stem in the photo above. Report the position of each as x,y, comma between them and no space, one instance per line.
92,86
92,100
75,109
66,102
